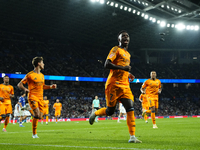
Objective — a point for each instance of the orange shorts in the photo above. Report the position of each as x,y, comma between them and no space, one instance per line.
45,111
5,109
114,93
57,113
153,101
35,102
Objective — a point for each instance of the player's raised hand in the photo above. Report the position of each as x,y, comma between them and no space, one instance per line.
127,68
132,77
53,86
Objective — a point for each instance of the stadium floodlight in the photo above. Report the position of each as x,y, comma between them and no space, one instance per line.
168,25
116,5
125,8
108,2
146,4
143,3
179,11
150,18
102,1
180,26
194,57
142,14
92,0
162,6
146,17
192,27
134,0
162,24
158,22
129,9
172,25
121,7
97,0
139,2
154,20
172,8
134,11
138,13
196,28
167,6
176,10
188,27
112,4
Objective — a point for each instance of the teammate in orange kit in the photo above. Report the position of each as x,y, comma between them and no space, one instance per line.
145,105
117,86
46,110
6,93
58,107
36,85
153,88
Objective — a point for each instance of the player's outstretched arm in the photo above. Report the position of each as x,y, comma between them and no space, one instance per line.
21,86
142,90
53,86
109,65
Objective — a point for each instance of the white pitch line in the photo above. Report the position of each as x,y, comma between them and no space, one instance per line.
89,147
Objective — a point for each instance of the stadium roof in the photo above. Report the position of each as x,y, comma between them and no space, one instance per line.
92,22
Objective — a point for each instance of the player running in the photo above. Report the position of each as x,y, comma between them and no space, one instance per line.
145,105
122,112
16,112
36,85
153,88
46,110
58,108
95,106
117,86
6,93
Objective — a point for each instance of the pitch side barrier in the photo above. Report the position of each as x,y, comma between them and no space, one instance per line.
96,79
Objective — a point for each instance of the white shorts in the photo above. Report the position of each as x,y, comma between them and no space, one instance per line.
16,113
122,110
25,113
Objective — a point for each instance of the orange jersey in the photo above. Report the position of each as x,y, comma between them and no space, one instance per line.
152,87
57,106
143,97
5,91
120,57
46,104
35,84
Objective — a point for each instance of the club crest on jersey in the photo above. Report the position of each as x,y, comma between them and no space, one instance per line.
111,55
35,78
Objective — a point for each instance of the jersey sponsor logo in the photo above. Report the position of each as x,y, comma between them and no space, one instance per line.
111,55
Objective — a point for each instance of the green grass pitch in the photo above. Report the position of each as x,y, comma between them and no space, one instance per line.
179,133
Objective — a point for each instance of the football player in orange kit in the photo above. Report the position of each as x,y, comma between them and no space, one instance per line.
153,88
46,110
36,85
6,93
58,107
145,105
117,86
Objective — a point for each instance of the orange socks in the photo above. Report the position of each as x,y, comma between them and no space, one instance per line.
34,125
153,117
56,120
42,118
101,112
131,122
148,111
6,122
47,118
